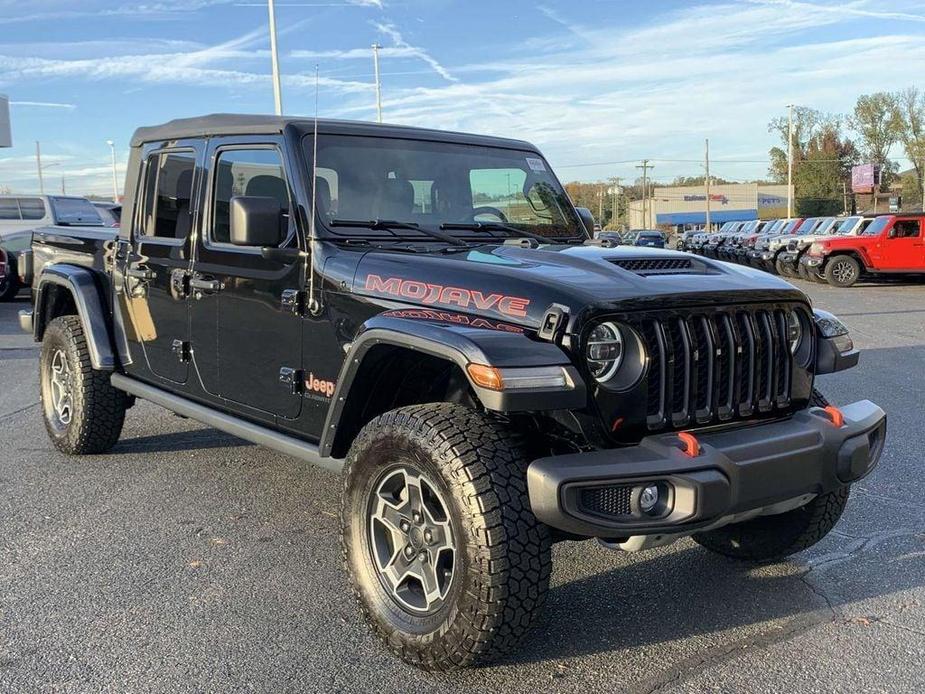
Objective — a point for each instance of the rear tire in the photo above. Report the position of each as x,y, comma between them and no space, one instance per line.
842,271
489,555
774,537
83,413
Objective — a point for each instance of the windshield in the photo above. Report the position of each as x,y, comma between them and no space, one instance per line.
431,184
807,225
826,225
876,226
847,225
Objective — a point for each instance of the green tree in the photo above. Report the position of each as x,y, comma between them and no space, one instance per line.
909,122
824,170
806,123
875,121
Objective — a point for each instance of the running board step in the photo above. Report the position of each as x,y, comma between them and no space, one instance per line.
230,424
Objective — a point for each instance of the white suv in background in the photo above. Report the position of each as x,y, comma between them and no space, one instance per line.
22,212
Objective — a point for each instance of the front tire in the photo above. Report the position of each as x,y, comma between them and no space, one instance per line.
782,268
83,413
9,285
446,559
768,538
842,271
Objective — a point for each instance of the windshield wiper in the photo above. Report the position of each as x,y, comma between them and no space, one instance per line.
389,224
496,226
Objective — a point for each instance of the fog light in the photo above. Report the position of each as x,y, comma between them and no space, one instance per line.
648,498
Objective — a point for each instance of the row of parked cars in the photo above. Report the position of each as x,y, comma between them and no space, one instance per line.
20,214
837,250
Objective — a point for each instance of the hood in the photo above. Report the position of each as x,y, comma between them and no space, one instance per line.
517,284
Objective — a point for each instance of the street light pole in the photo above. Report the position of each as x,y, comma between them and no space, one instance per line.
707,181
274,57
38,163
376,48
789,161
115,178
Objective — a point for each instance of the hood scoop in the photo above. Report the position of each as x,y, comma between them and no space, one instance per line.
645,267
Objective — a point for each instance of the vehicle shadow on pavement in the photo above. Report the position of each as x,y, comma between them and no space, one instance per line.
693,594
198,439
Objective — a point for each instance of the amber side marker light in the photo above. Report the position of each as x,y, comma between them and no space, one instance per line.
486,376
520,378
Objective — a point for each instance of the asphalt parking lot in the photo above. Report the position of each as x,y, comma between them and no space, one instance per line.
187,560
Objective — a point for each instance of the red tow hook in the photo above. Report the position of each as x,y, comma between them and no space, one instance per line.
691,444
835,414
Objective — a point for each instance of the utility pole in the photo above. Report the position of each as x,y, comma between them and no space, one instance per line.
115,179
923,184
274,57
63,187
38,163
376,48
707,181
614,193
789,161
844,197
645,166
600,204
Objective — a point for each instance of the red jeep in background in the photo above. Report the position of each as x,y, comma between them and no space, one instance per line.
890,244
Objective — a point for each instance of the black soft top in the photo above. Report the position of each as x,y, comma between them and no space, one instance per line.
242,124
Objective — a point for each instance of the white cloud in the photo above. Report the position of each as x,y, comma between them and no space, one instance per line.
43,104
393,33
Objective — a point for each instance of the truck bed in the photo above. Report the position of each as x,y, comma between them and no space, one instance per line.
76,245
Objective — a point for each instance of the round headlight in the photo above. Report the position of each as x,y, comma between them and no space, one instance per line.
794,331
604,351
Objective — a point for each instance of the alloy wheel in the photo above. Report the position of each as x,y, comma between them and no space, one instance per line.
61,388
412,540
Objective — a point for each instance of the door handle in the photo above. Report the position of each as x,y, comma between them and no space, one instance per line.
140,273
205,285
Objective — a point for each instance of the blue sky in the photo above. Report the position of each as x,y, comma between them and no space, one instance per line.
589,81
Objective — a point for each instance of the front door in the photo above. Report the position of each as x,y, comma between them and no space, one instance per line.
155,300
245,334
901,247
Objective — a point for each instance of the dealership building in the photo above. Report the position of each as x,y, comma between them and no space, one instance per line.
680,206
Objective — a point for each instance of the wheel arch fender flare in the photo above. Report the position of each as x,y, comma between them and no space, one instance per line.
460,346
82,286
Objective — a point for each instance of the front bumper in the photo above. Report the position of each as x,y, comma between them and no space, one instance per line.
811,261
737,471
788,258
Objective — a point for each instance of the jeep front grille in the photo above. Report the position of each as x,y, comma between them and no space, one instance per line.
716,367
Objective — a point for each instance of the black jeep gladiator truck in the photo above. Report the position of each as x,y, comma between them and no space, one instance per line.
425,312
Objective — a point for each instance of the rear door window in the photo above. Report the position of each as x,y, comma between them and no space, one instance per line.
168,195
32,208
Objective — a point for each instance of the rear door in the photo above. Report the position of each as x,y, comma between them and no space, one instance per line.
158,261
246,334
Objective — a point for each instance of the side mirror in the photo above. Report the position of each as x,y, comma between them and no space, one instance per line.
255,221
587,219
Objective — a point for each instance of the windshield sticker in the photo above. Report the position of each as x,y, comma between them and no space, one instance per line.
536,164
